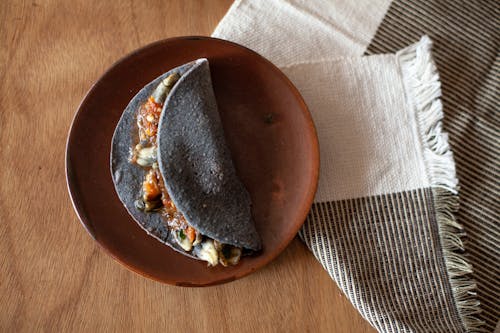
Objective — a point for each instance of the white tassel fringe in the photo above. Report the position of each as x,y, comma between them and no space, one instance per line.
423,91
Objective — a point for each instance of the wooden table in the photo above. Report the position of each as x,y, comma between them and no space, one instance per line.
53,277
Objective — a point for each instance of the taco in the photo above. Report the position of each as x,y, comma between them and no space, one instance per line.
173,171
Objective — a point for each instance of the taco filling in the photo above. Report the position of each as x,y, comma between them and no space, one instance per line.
154,197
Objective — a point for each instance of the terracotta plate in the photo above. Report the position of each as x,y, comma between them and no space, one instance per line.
269,131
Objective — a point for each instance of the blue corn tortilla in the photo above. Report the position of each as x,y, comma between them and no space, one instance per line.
196,163
197,169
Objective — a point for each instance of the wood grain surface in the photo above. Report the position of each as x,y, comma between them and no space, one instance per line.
53,277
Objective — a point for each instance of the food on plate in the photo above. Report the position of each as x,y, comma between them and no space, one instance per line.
173,171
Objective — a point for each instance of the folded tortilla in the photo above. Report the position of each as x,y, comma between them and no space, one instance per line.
194,161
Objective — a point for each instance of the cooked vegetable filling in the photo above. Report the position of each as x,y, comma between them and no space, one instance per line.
155,197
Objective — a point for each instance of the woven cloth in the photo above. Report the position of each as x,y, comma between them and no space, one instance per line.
385,222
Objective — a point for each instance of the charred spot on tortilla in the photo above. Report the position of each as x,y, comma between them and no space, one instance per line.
173,171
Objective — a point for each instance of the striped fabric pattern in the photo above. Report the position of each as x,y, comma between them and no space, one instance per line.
466,50
383,251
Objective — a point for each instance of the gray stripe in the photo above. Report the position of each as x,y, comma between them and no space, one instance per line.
384,252
406,235
466,50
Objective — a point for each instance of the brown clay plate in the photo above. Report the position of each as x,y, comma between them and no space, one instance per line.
269,132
